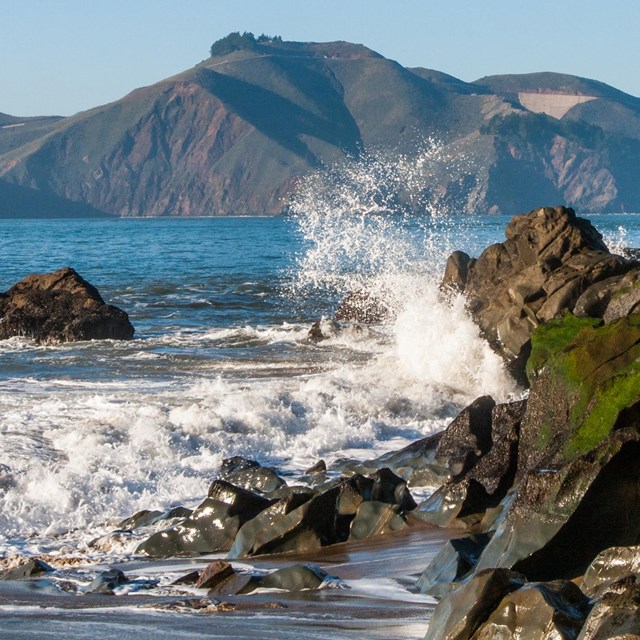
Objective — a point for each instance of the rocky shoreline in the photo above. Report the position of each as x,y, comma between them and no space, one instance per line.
543,493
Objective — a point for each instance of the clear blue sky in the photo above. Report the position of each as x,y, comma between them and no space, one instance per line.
63,56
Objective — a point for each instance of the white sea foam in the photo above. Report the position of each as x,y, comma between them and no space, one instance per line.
80,452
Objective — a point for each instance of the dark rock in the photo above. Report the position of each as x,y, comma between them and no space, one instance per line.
460,614
608,567
295,578
319,468
549,259
213,574
375,518
362,306
452,563
415,463
538,611
212,526
322,520
60,307
456,271
236,463
106,581
467,438
616,614
259,479
254,532
29,569
562,517
244,502
323,329
391,489
483,443
140,519
189,578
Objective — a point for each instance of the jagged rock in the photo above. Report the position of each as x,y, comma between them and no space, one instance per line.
319,468
610,566
106,581
415,463
467,438
375,518
538,611
549,259
452,563
461,613
320,520
253,533
625,301
236,463
561,518
456,271
362,306
213,574
29,569
189,578
145,517
60,307
616,614
293,578
482,445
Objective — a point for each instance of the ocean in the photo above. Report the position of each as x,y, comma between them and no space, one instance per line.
221,363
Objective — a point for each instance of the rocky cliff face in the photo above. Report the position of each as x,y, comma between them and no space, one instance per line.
232,135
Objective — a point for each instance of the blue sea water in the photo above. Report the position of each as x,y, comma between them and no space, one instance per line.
221,365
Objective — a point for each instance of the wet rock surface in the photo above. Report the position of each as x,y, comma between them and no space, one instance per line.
550,258
60,307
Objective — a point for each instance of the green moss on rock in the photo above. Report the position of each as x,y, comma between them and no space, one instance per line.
552,337
584,375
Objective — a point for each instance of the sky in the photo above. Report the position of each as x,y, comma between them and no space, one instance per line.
58,57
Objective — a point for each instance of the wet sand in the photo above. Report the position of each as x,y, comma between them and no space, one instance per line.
375,598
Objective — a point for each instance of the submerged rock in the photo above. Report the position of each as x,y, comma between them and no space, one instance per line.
60,307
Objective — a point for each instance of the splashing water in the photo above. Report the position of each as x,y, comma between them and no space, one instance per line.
372,224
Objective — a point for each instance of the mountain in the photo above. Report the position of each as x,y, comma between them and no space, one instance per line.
233,134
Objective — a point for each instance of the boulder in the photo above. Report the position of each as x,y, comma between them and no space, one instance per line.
467,438
460,614
452,563
106,581
258,479
549,259
213,574
456,272
60,307
608,567
303,523
30,569
295,578
538,611
375,518
616,614
211,527
481,445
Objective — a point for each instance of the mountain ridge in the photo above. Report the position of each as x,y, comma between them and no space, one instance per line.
234,134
